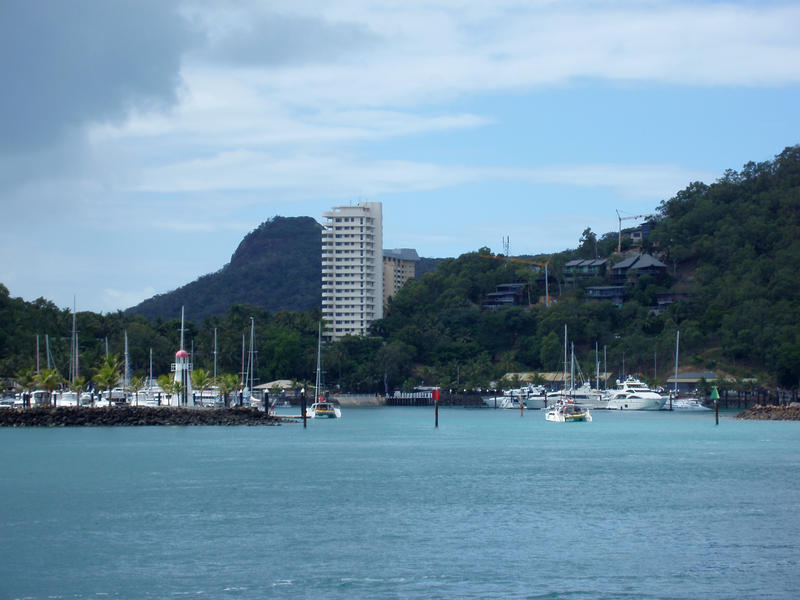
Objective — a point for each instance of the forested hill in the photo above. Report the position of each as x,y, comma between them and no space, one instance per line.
276,266
743,234
733,246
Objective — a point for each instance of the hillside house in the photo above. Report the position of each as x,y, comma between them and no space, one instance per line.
631,268
507,294
581,268
664,299
613,293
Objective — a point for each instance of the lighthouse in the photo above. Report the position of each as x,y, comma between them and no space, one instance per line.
182,367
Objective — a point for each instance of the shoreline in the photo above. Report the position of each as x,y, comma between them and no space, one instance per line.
134,416
771,413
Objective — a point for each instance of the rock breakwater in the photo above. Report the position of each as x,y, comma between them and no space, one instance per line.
133,416
771,413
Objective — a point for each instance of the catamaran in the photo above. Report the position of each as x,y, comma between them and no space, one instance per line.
322,408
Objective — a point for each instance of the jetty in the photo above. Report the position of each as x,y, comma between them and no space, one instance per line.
134,416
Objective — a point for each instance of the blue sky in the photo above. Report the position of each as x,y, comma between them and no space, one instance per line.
141,140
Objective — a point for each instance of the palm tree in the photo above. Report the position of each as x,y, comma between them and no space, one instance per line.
167,383
227,383
201,381
77,386
50,380
26,380
137,384
108,375
177,389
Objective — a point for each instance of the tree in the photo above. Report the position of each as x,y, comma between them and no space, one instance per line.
136,385
108,374
201,381
587,245
77,386
167,383
227,383
27,381
50,380
392,360
550,353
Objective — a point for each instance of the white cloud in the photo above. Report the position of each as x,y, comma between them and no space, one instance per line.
343,176
245,126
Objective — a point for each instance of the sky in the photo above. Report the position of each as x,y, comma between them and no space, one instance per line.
141,140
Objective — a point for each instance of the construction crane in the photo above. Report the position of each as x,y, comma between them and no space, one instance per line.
527,262
620,218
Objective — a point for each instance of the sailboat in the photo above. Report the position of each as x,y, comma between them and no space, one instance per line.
565,410
322,408
675,401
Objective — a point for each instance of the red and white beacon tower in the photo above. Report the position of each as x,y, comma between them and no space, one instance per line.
182,367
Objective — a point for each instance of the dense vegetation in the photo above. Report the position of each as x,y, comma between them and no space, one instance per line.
256,275
732,246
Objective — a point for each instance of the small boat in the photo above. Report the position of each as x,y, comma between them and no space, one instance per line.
323,409
567,412
684,403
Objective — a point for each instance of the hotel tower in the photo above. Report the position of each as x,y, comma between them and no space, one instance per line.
352,268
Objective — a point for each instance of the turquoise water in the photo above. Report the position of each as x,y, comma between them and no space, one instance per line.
380,504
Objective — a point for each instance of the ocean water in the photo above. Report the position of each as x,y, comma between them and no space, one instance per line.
380,504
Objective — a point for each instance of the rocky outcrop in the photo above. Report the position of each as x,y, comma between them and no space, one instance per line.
133,416
771,413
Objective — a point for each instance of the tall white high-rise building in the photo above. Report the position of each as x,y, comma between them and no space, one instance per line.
352,268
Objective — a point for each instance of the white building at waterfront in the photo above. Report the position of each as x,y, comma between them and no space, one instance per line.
352,268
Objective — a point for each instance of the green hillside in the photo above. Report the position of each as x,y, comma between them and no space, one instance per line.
276,267
732,246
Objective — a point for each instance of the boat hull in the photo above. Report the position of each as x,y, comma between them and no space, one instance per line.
636,403
568,414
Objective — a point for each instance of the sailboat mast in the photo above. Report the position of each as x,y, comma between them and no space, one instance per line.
215,353
572,368
677,343
37,354
597,364
250,367
319,361
73,355
242,371
127,362
565,361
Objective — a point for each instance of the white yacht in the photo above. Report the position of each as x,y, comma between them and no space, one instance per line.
633,394
683,403
584,395
532,396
